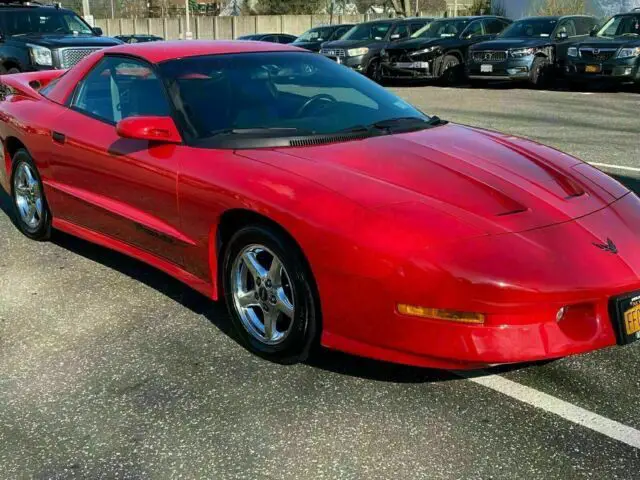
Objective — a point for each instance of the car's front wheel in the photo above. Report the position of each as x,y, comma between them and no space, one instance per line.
32,213
450,72
540,72
270,294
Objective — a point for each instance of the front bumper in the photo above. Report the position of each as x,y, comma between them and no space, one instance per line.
408,70
521,297
616,70
510,69
359,64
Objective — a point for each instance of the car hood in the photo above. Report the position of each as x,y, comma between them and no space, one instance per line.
492,182
417,43
615,42
507,43
350,43
61,41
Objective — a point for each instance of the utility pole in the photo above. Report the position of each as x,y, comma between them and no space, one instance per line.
113,8
86,11
455,8
188,35
417,7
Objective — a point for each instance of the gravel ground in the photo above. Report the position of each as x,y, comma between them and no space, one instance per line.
110,369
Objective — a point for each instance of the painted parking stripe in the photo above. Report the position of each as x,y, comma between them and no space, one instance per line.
568,411
619,167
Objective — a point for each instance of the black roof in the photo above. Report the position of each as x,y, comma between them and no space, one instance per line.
555,17
397,20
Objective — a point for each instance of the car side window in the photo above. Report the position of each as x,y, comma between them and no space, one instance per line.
414,27
494,26
473,30
400,32
339,33
567,26
269,38
584,25
119,88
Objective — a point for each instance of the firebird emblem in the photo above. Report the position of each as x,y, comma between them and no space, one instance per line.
607,247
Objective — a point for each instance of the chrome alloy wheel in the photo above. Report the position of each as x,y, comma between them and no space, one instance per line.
28,196
263,294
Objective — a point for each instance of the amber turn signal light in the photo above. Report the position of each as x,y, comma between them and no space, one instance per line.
439,314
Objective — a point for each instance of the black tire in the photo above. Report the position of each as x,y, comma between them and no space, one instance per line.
450,70
374,71
43,230
303,336
540,74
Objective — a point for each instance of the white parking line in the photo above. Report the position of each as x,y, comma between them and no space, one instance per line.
566,410
619,167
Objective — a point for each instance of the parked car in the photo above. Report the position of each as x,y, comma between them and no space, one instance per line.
360,47
611,54
322,207
313,39
532,49
139,38
439,49
37,37
270,37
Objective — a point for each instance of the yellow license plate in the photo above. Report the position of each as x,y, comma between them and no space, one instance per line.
592,69
632,320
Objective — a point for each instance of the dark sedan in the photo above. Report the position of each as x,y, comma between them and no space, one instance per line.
139,38
313,39
439,49
270,37
531,49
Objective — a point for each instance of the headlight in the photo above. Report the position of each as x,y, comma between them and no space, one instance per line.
572,52
423,51
356,52
628,52
521,52
41,55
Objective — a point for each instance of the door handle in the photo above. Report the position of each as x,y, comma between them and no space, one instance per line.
58,137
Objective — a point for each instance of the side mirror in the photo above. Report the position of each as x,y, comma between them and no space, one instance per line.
152,129
562,35
97,31
594,31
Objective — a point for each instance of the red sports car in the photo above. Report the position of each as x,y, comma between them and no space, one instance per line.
322,207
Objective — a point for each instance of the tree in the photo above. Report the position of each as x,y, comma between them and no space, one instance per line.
561,7
288,7
407,8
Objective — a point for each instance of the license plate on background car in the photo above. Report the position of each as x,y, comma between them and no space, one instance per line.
592,69
486,68
626,317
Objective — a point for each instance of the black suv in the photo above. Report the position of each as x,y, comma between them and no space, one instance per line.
360,47
313,39
440,49
38,37
613,53
531,49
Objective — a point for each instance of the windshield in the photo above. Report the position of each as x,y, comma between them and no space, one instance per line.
442,29
276,90
43,21
530,28
315,35
368,31
619,26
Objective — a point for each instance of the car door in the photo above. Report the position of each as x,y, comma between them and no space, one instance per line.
122,188
474,33
565,34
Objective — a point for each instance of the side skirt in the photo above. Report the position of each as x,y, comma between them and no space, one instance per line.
108,242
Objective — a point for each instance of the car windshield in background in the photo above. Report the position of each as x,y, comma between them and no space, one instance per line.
442,29
530,28
315,35
368,31
289,93
44,22
621,26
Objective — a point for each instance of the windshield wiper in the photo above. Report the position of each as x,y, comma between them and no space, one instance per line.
284,131
408,122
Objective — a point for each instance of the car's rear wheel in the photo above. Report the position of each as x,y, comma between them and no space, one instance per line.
33,216
270,294
374,71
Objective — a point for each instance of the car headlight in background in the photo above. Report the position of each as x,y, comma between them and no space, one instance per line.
628,52
522,52
41,55
423,51
572,52
356,52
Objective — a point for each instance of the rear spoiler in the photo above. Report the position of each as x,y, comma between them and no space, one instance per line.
28,84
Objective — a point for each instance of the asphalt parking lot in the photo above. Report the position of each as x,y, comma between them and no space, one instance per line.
111,369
